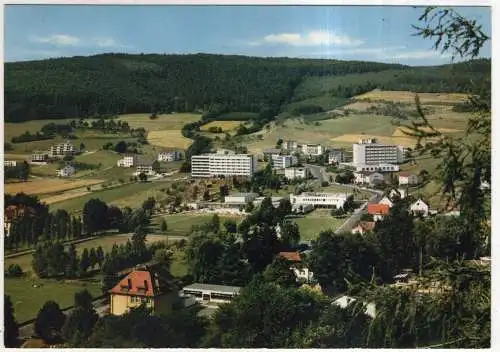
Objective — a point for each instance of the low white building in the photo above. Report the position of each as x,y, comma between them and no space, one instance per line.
420,208
370,178
312,149
127,161
336,200
66,171
292,173
9,163
374,167
240,198
406,178
169,156
207,293
283,161
302,208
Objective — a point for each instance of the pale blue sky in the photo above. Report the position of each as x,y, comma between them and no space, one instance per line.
340,32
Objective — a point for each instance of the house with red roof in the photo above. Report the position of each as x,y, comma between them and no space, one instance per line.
291,256
301,272
379,211
406,178
363,227
143,286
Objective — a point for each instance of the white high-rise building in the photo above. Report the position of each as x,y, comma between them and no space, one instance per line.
223,163
370,152
312,149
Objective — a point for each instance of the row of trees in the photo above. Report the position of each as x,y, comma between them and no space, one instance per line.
21,171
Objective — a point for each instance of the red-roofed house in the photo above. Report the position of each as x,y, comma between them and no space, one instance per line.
138,287
363,227
406,178
378,211
291,256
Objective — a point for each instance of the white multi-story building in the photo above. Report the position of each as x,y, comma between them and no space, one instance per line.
223,163
320,199
290,145
312,149
66,171
9,163
283,161
296,173
39,156
62,149
127,161
170,156
369,151
335,156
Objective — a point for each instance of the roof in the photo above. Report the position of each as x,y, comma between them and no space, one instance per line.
378,209
291,256
367,225
210,287
138,283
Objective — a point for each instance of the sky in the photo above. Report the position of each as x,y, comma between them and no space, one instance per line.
371,33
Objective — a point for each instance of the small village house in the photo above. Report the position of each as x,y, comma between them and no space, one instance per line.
379,211
363,227
127,161
301,272
66,171
170,156
387,201
406,178
420,208
370,178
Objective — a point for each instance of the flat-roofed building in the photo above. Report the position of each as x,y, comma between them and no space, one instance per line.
239,198
208,293
336,200
283,161
371,152
336,156
62,149
9,163
292,173
290,145
39,156
127,161
270,152
170,156
220,164
312,149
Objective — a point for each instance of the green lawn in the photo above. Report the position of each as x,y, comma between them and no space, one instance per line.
181,224
317,221
179,267
28,300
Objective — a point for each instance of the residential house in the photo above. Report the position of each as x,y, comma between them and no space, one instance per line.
66,171
363,227
379,211
39,156
293,173
12,213
169,156
370,178
290,145
283,161
397,193
127,161
420,208
386,200
406,178
142,286
335,156
293,257
301,272
312,149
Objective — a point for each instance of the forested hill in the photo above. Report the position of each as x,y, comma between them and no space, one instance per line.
122,83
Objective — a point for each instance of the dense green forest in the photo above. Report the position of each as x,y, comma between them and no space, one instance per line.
122,83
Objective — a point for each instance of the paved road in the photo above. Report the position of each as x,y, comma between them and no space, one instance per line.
100,306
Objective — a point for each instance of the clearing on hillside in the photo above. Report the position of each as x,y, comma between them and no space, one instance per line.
409,97
162,122
45,186
225,125
169,139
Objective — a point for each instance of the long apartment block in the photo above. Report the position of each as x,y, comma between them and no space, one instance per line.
371,152
223,163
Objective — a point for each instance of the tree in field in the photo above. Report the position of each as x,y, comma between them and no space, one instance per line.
49,322
92,258
156,166
84,262
206,196
279,272
73,263
230,226
83,299
143,177
81,320
163,226
94,216
82,147
114,217
11,331
290,235
223,191
214,224
100,256
121,147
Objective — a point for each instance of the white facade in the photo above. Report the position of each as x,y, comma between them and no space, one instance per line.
368,178
39,156
218,164
401,193
146,169
66,171
420,207
370,152
312,149
62,149
408,179
386,201
290,145
335,156
320,199
292,173
127,161
206,293
283,161
240,198
373,168
9,163
169,156
302,273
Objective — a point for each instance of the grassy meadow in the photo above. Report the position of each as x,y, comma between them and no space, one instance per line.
317,221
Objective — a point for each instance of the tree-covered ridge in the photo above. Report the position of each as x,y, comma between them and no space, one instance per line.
122,83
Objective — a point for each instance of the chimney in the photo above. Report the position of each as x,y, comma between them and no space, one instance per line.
145,285
129,284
